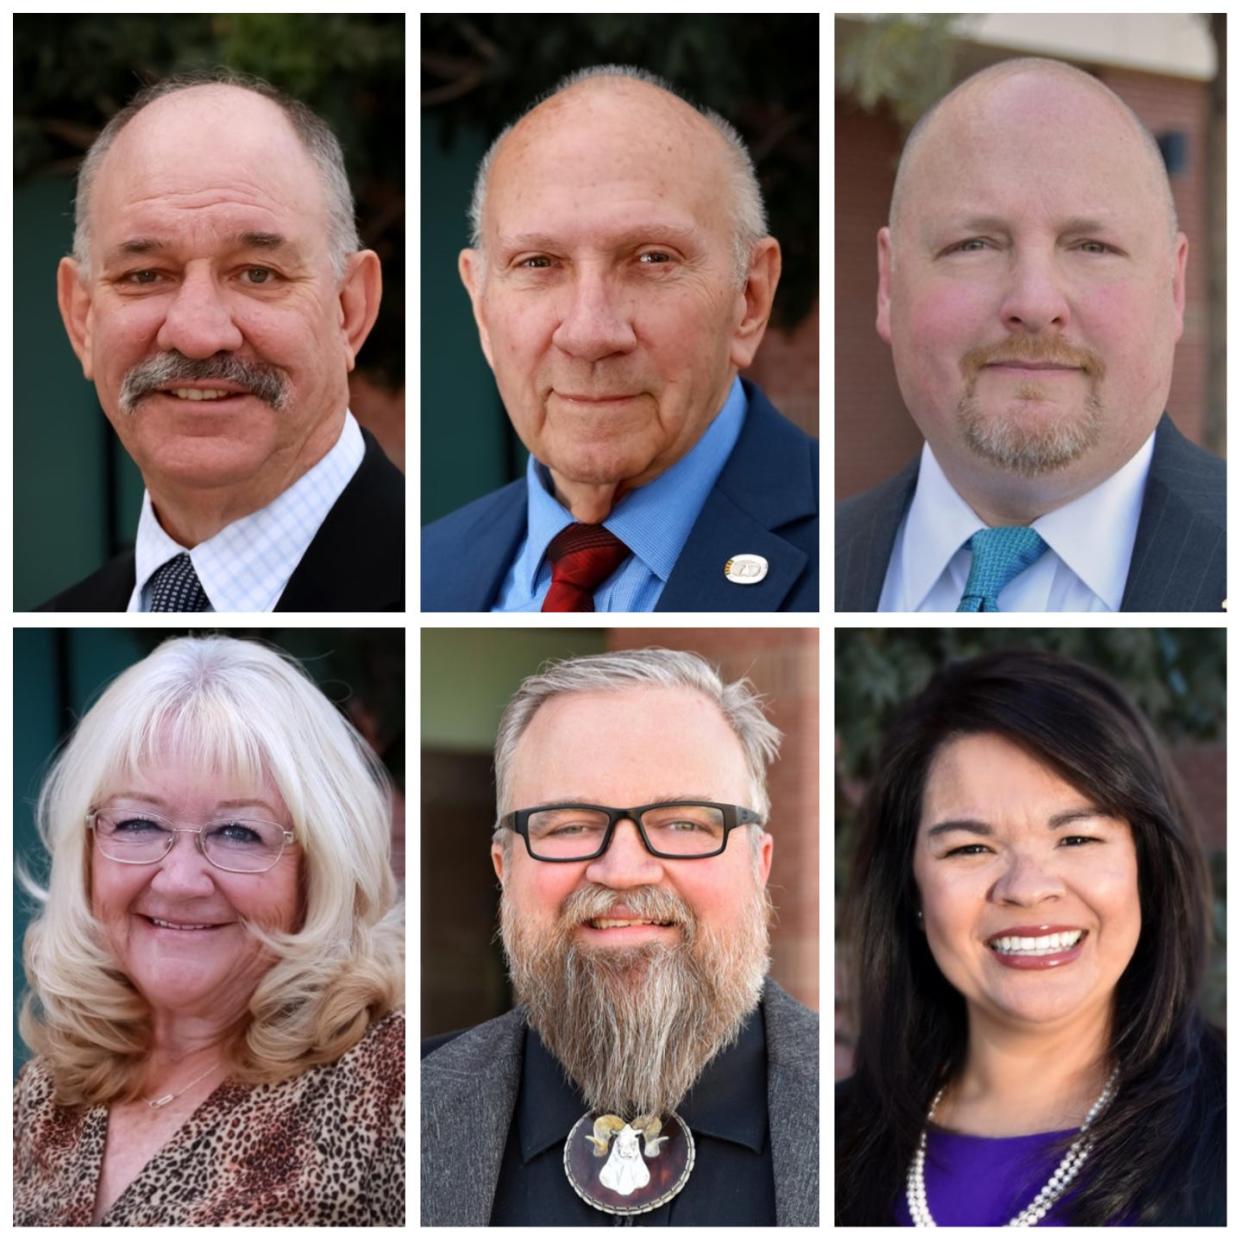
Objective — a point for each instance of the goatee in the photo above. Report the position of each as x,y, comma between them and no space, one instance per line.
634,1027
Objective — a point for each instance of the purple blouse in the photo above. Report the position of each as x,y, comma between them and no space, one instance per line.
972,1180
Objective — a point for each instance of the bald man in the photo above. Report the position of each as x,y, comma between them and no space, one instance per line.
621,275
1032,289
217,296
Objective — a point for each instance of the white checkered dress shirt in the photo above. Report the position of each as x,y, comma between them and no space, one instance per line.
246,566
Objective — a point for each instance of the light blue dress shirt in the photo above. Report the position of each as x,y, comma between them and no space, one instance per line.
654,522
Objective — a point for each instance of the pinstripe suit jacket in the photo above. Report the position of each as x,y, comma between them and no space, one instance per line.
1178,564
470,1087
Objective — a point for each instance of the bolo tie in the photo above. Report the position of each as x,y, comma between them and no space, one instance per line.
626,1168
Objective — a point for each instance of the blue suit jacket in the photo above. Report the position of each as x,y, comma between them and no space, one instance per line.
766,500
1178,564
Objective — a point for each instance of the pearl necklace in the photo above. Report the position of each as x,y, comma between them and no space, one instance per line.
1052,1190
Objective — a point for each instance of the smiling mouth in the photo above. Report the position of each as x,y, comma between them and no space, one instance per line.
165,925
609,924
1036,946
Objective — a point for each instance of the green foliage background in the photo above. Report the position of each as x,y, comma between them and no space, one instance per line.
1176,676
73,72
761,72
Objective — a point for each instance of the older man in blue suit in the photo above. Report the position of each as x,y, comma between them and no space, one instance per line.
621,275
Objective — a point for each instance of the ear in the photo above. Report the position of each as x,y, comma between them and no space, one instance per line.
1180,253
360,301
884,258
756,297
74,299
498,862
471,266
765,857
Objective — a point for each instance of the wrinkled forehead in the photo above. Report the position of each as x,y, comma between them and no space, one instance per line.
206,150
601,145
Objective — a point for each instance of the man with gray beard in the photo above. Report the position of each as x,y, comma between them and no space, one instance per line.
1032,288
651,1073
217,296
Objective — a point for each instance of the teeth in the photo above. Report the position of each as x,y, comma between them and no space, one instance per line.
1034,946
201,394
183,926
605,924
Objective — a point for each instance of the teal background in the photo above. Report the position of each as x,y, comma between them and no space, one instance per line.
467,441
61,527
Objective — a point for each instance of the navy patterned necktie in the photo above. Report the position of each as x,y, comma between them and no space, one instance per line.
998,555
175,587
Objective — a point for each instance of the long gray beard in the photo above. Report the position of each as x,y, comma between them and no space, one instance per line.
634,1028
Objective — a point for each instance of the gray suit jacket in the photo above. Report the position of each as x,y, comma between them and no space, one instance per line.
470,1086
1178,563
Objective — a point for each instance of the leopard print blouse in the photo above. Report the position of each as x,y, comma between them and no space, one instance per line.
324,1148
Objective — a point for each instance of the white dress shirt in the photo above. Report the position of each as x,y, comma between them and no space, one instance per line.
1090,542
246,566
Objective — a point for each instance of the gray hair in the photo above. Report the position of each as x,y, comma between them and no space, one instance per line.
750,220
657,667
1026,64
319,142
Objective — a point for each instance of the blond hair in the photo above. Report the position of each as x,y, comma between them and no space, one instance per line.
239,710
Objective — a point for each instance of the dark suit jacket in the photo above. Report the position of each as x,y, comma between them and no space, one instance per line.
355,563
766,500
470,1087
1178,563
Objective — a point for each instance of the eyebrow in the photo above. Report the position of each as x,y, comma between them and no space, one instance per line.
249,240
1075,224
982,828
652,232
230,804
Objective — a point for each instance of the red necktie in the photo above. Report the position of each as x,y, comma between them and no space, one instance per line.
582,557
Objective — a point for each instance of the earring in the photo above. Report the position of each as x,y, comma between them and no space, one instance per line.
918,914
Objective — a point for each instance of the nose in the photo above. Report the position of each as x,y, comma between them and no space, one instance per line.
626,863
1027,882
1035,300
198,321
184,872
596,322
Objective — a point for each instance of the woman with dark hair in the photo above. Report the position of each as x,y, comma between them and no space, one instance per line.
1028,917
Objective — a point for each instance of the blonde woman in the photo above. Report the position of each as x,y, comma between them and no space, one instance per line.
216,974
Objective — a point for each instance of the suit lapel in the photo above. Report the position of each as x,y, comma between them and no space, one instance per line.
722,531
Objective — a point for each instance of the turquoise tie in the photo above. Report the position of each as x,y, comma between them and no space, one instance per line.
998,555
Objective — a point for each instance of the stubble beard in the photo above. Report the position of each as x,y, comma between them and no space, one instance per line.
1017,447
634,1027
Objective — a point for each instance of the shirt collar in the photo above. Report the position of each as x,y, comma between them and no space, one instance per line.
729,1101
653,521
246,566
939,522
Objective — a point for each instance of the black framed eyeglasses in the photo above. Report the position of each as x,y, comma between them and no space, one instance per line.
578,831
139,838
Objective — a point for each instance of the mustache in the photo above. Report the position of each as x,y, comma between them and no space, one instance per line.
164,370
1051,350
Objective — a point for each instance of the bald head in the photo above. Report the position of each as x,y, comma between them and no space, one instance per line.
1027,101
631,116
194,120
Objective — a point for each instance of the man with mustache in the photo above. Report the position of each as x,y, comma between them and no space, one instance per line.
1032,287
651,1069
217,296
621,274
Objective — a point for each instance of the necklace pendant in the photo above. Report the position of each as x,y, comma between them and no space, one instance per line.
624,1167
164,1099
